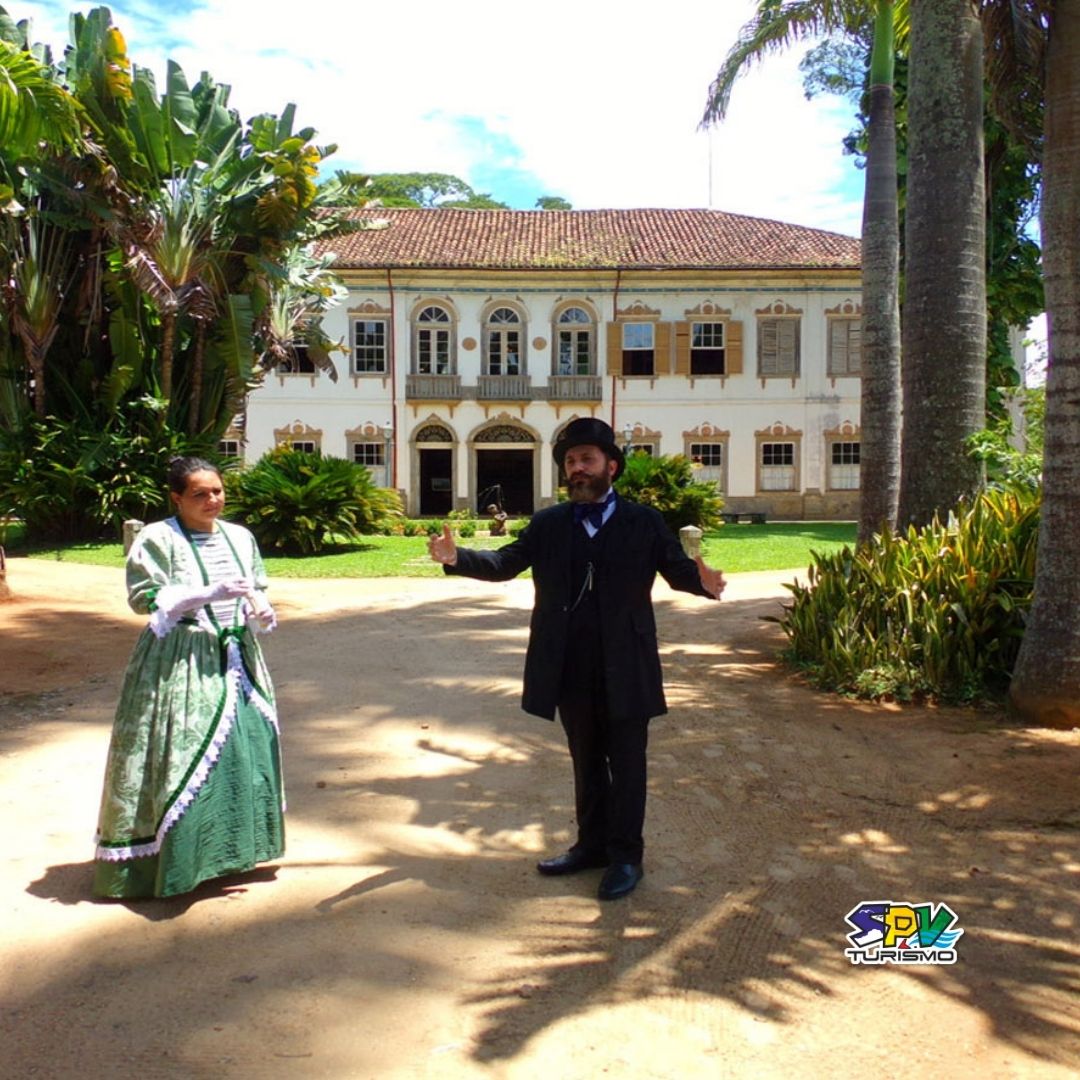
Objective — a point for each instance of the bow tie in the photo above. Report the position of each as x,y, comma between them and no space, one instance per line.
593,513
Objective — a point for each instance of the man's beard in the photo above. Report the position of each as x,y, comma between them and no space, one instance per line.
583,489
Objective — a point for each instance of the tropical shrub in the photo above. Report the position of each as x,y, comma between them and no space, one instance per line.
1006,463
156,260
937,612
667,484
73,480
297,502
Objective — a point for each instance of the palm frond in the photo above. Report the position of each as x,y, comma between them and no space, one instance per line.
775,28
34,107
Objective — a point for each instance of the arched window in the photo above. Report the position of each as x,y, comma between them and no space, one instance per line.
574,339
504,342
433,339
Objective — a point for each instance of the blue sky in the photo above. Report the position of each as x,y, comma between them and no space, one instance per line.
597,102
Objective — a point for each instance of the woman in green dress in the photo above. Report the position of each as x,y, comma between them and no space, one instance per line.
193,786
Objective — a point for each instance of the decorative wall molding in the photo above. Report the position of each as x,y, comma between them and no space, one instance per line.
296,430
707,307
368,307
845,430
778,307
367,432
847,308
777,430
706,431
638,310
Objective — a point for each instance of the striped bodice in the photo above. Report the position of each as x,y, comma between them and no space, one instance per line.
221,565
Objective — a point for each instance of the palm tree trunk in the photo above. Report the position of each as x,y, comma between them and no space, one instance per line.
168,339
35,343
197,360
880,405
944,320
35,358
1046,682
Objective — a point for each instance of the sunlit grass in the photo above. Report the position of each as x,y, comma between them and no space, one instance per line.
734,548
782,545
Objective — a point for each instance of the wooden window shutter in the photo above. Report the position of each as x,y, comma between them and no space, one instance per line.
733,349
682,348
614,348
662,359
767,347
788,336
838,340
855,347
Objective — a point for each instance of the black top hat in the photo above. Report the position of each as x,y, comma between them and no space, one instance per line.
588,431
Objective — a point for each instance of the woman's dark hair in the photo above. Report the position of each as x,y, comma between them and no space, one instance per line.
180,468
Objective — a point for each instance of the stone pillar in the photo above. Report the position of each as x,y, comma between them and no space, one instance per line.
132,528
690,536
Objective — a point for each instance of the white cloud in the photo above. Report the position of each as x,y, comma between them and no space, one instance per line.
599,101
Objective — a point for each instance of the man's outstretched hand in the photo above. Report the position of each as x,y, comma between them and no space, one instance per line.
442,549
713,580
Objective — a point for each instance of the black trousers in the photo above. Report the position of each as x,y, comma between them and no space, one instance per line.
609,765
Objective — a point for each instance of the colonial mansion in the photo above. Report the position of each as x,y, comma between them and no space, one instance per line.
475,336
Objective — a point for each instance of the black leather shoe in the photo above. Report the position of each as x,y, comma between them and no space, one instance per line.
620,879
570,862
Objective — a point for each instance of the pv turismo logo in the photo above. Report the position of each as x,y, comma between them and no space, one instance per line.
900,932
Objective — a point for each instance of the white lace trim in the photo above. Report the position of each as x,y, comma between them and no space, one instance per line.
162,623
236,682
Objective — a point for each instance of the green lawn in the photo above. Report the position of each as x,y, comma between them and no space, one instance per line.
734,548
782,545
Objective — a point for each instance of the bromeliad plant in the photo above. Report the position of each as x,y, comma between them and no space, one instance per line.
298,503
938,612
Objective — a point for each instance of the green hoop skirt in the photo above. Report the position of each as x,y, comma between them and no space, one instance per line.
193,785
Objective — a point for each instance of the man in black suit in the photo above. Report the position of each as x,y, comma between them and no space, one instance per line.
592,651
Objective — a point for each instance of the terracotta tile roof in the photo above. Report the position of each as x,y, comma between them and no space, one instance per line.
587,239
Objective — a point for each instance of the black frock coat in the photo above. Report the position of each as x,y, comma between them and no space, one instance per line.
639,546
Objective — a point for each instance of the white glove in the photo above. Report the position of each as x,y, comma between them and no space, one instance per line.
173,600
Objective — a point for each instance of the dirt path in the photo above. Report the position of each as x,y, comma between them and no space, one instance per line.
406,934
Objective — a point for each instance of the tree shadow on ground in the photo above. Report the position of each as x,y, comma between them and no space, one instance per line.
774,810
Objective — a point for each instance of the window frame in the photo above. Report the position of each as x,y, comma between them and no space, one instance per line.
301,362
378,469
710,349
575,330
497,342
638,351
716,473
835,444
785,366
774,441
851,369
427,333
362,320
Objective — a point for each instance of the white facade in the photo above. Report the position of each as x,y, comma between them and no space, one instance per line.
442,409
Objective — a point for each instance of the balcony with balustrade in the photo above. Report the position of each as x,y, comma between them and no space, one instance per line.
574,388
504,388
433,388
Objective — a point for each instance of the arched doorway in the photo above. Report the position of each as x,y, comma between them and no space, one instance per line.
505,471
435,449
